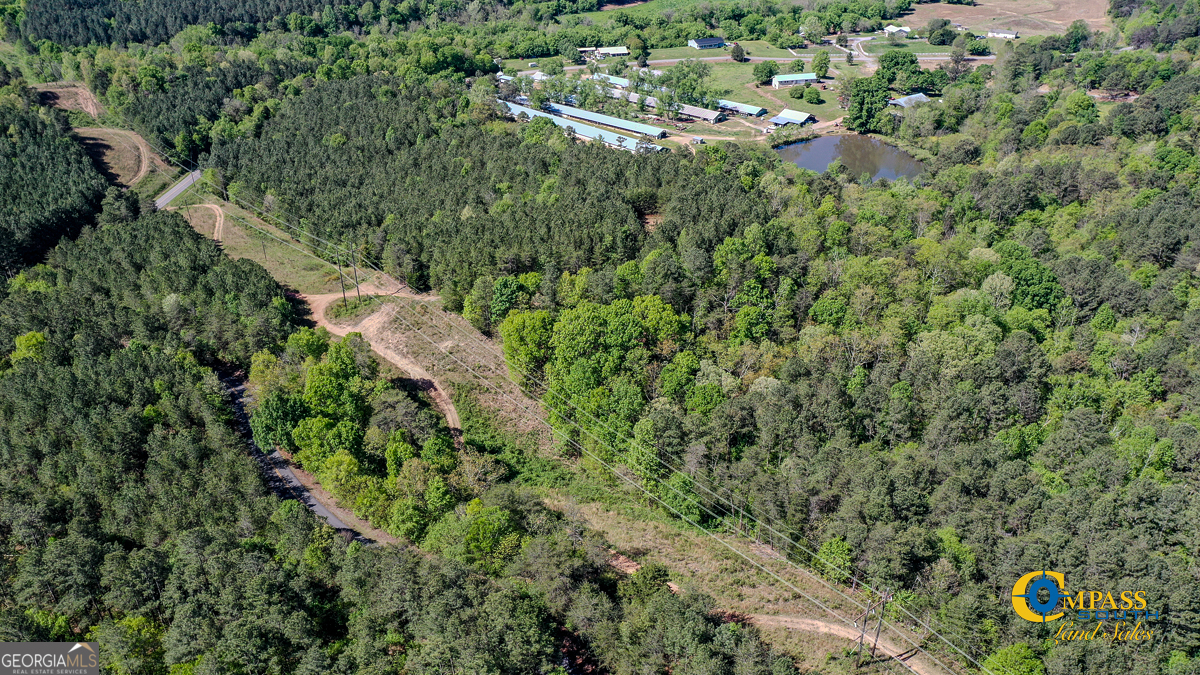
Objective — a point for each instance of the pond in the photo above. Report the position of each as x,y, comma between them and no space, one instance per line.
860,154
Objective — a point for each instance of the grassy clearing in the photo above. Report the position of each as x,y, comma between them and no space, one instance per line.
700,563
202,219
828,110
354,308
112,155
291,267
764,49
915,46
920,47
735,77
155,183
685,53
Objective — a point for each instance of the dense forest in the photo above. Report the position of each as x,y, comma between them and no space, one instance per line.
69,22
132,514
948,382
50,186
140,520
941,383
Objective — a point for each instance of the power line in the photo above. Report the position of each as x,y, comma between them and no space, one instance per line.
670,468
729,500
613,470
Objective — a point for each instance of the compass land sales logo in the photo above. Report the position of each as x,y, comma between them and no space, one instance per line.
1036,597
49,658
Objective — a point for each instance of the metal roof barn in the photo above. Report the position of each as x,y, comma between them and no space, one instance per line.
793,79
608,137
713,116
612,79
789,116
606,120
752,110
910,100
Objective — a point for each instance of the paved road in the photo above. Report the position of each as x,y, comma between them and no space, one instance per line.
177,189
275,468
855,44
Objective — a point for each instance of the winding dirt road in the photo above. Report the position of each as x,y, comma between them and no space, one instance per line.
374,329
130,140
219,228
909,657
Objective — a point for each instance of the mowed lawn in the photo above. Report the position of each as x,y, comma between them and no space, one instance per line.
686,53
880,45
738,78
651,8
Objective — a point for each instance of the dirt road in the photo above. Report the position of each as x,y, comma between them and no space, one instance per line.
828,123
219,228
375,329
840,630
70,96
910,657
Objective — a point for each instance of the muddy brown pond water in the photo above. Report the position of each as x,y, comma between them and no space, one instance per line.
860,154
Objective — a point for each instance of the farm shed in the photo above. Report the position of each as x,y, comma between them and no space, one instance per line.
751,110
606,120
586,131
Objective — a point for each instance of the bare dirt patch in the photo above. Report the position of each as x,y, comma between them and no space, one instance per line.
122,156
202,219
69,96
1027,17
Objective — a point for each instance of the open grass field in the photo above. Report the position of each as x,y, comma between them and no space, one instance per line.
735,77
1027,17
202,220
881,46
112,153
292,268
739,79
920,47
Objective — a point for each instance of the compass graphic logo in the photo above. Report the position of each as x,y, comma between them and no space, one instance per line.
1035,596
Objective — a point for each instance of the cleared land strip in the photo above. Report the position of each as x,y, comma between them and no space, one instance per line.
909,656
728,571
413,330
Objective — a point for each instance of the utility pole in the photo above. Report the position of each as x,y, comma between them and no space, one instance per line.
356,291
341,280
862,633
879,626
